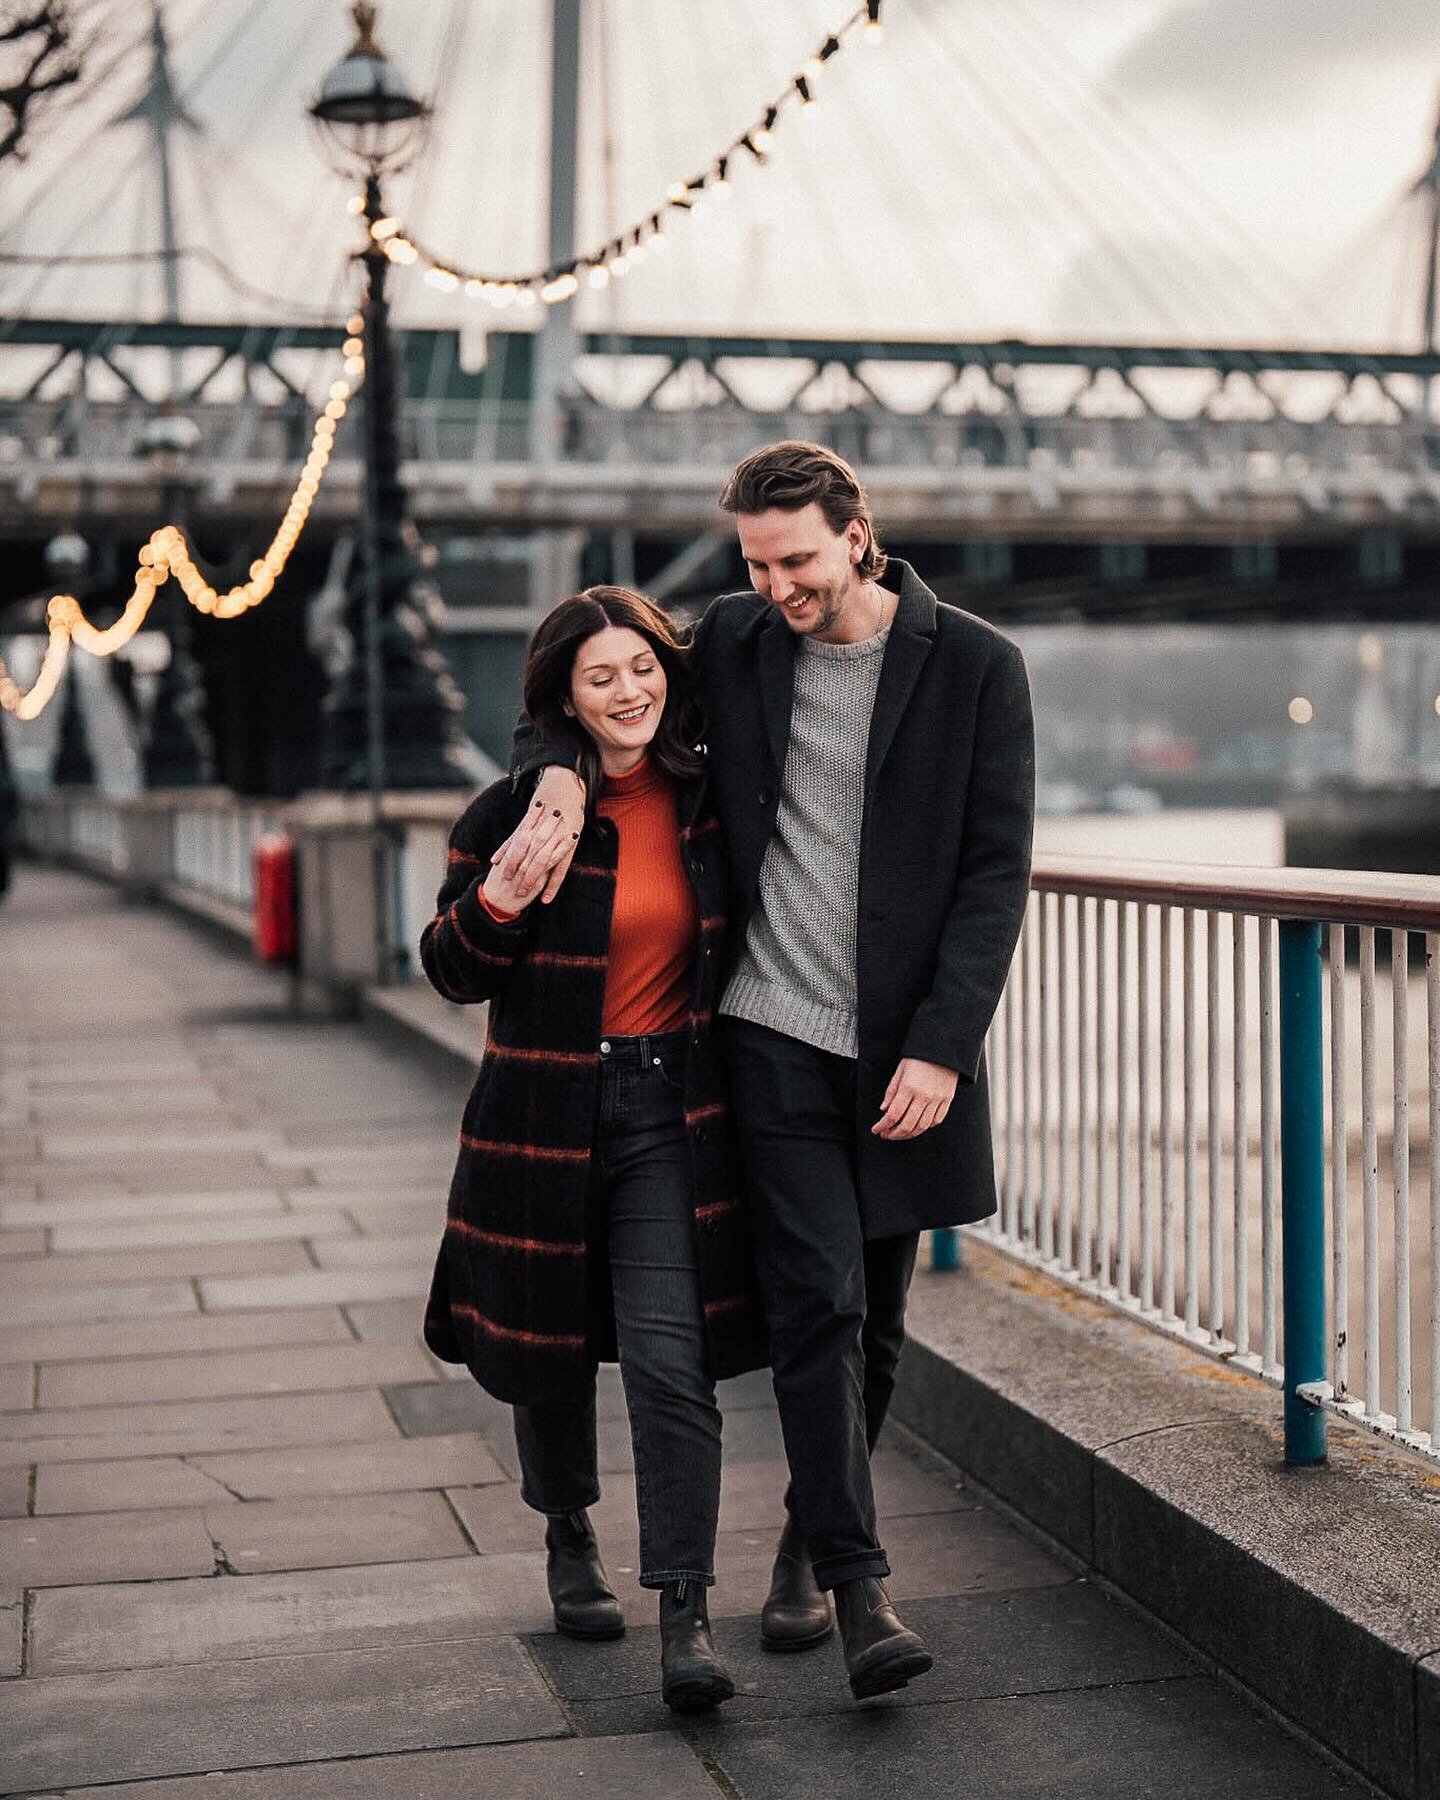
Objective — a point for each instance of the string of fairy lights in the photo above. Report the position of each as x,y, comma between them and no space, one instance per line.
166,554
683,199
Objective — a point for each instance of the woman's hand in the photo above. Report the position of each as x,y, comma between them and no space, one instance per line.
537,855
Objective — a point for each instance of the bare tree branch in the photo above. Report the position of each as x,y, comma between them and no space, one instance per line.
43,33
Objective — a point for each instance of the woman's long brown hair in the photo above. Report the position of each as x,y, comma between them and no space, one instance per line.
550,668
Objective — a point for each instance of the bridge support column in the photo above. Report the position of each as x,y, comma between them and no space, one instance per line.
1302,1187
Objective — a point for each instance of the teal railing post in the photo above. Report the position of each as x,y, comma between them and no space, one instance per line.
1302,1185
944,1247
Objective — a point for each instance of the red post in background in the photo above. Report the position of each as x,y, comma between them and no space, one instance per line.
277,939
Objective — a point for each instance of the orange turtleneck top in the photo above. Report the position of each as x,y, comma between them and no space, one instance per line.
655,922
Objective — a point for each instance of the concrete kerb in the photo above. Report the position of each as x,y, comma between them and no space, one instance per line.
1161,1469
1317,1589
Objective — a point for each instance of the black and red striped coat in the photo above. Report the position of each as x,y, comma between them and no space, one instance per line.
510,1297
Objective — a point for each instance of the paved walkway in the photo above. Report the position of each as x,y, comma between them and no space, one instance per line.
248,1525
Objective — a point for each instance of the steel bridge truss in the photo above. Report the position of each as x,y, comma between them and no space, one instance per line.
1002,438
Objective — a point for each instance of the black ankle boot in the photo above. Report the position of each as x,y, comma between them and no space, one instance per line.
796,1614
692,1676
585,1606
881,1654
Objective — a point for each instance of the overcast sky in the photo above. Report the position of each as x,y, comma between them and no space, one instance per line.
1162,169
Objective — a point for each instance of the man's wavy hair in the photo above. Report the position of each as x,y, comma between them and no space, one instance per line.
790,476
550,668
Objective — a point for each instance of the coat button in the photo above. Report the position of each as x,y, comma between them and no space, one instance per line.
765,795
697,867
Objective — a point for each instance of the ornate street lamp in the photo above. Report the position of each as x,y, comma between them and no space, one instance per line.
178,751
393,717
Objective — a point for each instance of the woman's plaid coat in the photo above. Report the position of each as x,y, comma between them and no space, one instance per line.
511,1297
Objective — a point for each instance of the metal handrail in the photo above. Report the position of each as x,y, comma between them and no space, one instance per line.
1148,1004
1332,896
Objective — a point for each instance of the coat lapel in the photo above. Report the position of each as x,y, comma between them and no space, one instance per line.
777,686
910,639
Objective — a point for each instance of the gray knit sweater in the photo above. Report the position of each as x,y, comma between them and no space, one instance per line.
796,973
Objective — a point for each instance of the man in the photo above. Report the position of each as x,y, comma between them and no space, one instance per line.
873,766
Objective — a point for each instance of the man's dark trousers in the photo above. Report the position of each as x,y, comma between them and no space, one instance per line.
835,1304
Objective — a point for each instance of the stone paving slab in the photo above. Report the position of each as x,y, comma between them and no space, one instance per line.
661,1766
22,1243
340,1165
385,1198
356,1468
328,1534
33,1275
1134,1742
184,1428
140,1625
255,1228
431,1179
272,1710
17,1386
194,1098
15,1491
129,1485
343,1126
73,1069
376,1252
985,1645
227,1373
153,1179
100,1207
319,1287
94,1146
141,1175
148,1300
385,1321
82,1341
152,1546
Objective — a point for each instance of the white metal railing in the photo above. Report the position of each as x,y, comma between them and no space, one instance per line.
1160,1025
96,836
212,847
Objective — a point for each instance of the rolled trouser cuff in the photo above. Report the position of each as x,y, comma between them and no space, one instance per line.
830,1571
552,1511
663,1578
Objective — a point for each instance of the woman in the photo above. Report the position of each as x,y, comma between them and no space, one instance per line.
595,1205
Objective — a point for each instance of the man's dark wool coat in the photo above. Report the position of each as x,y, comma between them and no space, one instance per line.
944,862
518,1294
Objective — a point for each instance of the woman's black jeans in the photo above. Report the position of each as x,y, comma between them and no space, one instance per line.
642,1210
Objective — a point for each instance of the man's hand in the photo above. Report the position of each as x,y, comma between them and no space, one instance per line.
542,846
508,896
918,1097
